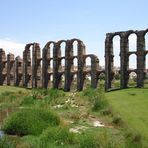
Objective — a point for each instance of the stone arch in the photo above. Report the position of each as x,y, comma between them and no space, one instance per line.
91,71
81,62
27,66
116,47
47,63
31,64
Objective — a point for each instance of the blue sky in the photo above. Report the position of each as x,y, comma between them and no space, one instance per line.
25,21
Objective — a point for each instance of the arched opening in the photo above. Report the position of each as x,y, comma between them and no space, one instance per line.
50,69
146,41
132,62
62,65
73,86
74,67
62,82
87,71
63,48
75,48
132,82
132,40
62,61
51,80
51,50
87,66
87,81
101,78
116,66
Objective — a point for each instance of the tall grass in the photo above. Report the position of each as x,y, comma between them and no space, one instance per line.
30,121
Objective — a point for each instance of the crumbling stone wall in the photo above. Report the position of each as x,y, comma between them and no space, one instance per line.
3,68
124,57
31,73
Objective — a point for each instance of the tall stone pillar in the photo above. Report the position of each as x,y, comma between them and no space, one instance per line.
108,61
140,58
68,65
3,68
56,64
81,63
94,70
124,60
46,66
10,69
36,66
27,67
18,71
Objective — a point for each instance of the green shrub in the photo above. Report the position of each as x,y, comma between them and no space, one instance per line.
5,143
117,120
27,100
5,94
99,104
88,140
55,93
96,97
58,136
30,121
89,92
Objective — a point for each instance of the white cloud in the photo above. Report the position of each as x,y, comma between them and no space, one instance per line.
12,46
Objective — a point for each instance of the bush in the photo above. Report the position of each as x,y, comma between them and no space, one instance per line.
118,121
55,93
5,143
88,140
96,97
27,100
58,136
89,92
30,121
4,95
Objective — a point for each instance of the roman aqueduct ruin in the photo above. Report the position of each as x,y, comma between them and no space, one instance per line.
36,71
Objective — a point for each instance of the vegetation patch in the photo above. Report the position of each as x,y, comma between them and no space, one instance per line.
30,121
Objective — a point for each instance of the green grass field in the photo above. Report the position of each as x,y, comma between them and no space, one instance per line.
10,89
81,109
132,105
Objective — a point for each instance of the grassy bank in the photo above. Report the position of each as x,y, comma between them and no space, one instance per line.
132,106
91,118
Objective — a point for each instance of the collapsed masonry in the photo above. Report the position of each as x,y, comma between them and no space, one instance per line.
37,72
